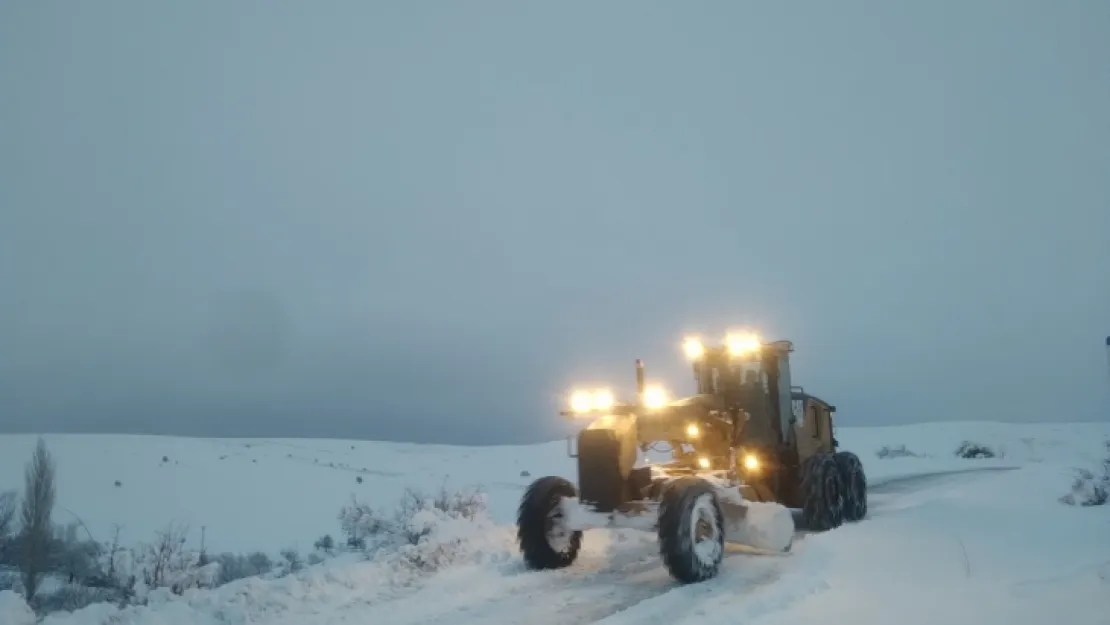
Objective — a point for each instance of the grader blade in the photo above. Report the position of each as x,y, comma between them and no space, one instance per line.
764,526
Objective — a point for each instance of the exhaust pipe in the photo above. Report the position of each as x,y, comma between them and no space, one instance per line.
640,378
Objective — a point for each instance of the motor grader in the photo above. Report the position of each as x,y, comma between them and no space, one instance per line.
752,459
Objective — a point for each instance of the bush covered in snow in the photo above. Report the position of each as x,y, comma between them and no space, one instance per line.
419,534
85,571
425,532
895,452
325,544
973,450
1091,488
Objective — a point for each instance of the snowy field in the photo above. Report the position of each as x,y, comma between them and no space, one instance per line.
947,540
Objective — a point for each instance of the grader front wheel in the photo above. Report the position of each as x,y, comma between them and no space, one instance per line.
691,530
544,539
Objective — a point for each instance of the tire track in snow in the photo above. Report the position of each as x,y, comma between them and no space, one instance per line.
625,575
624,572
751,587
904,492
922,481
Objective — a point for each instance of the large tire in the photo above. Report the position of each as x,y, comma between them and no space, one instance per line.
543,540
855,482
691,530
823,490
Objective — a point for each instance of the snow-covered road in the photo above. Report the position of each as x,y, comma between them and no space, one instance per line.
930,538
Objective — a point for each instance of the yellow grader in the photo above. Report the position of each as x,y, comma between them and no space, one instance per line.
752,459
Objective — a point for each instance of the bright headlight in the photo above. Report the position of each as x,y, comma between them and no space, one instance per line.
751,462
581,401
740,344
655,397
599,400
603,399
694,348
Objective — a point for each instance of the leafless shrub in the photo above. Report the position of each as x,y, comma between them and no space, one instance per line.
371,529
8,501
291,562
887,452
164,556
973,450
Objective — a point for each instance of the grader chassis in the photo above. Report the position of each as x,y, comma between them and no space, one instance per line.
752,460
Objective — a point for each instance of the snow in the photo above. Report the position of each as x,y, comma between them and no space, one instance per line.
13,611
947,540
708,550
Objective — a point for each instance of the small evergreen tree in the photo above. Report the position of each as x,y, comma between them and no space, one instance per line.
36,531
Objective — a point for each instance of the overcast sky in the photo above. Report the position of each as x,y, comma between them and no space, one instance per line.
425,221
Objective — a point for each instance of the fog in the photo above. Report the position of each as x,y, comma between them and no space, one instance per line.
427,221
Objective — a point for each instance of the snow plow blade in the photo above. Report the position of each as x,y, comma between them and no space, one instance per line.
764,526
760,525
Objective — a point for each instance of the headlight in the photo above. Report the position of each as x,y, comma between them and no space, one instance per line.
751,462
581,401
600,400
604,399
740,344
694,348
655,397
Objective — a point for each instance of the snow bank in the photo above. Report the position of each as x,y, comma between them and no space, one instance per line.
13,610
338,585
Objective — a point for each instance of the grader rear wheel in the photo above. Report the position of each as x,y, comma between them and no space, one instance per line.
855,485
823,492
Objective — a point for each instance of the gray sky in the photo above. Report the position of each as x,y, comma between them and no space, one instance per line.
425,221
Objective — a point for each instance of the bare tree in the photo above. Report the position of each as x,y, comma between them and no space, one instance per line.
165,556
38,504
9,546
113,551
7,512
